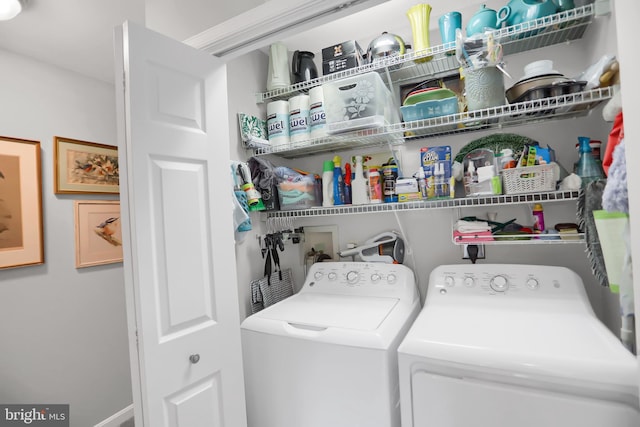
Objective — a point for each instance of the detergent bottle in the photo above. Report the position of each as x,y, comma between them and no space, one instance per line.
327,183
338,183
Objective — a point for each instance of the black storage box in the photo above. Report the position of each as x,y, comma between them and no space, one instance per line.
341,56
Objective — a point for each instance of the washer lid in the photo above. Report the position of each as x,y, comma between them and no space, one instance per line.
331,311
560,347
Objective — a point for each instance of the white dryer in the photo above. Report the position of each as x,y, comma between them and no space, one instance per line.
513,345
327,356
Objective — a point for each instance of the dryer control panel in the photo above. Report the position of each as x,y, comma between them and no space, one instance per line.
511,281
362,279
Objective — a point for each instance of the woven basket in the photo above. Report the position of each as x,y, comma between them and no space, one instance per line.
530,179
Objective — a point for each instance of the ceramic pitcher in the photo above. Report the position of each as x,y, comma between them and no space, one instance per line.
419,19
278,74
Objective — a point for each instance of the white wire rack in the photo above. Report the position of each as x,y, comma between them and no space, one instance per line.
553,196
528,239
558,28
558,107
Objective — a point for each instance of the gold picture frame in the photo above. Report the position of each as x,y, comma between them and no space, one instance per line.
21,242
98,232
82,167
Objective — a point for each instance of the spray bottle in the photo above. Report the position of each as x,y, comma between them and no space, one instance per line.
359,185
338,185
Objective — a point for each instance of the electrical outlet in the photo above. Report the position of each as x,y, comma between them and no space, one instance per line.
465,252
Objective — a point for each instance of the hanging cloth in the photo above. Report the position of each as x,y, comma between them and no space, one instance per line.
275,285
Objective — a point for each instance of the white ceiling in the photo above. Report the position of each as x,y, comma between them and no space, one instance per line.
72,34
78,34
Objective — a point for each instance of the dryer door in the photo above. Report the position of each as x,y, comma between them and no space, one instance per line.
466,401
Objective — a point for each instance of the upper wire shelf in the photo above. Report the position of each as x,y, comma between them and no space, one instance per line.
546,31
505,199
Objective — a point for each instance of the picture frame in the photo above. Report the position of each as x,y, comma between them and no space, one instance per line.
82,167
98,232
21,238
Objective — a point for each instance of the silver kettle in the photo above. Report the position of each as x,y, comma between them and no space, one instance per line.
384,46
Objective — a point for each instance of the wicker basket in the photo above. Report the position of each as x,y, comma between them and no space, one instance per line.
531,179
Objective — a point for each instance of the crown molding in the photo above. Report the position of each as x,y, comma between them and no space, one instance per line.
271,21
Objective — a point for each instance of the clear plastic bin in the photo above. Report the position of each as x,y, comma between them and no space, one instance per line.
359,102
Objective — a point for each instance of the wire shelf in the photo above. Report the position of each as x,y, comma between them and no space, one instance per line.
553,29
527,239
558,107
554,196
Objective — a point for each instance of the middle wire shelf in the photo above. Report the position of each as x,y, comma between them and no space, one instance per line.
553,108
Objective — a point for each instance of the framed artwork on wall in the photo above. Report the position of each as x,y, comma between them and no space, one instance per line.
20,203
82,167
98,232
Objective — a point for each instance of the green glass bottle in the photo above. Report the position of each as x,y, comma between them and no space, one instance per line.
588,168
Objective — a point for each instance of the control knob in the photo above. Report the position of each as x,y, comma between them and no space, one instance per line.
532,284
352,276
332,276
375,277
318,275
499,283
391,278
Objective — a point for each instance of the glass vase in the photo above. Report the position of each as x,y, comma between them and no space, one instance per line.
419,19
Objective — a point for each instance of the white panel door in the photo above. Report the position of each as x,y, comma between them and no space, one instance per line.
179,260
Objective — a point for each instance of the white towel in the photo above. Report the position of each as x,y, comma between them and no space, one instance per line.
472,226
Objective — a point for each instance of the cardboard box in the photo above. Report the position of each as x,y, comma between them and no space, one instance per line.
341,56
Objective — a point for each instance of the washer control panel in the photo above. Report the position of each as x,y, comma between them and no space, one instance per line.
507,280
361,278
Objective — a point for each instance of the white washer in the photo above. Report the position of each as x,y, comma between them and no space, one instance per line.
513,345
327,356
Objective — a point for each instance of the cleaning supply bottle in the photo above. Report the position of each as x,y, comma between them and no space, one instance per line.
439,179
588,168
538,218
338,184
327,183
507,161
375,185
347,183
470,179
422,183
359,185
389,177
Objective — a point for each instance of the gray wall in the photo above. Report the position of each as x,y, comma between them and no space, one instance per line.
63,330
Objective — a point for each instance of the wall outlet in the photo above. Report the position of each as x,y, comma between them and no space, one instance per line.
465,253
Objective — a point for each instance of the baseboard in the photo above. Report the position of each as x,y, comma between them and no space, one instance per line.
118,418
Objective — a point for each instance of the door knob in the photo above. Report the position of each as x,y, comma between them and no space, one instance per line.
194,358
